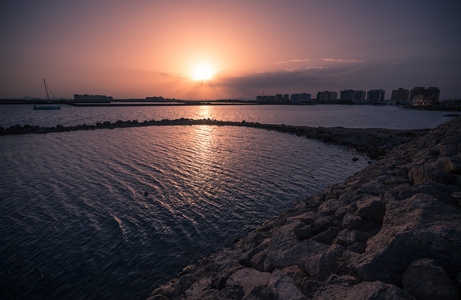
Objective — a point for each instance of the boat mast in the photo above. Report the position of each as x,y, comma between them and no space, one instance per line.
46,90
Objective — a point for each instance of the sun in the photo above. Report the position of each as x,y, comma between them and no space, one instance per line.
202,71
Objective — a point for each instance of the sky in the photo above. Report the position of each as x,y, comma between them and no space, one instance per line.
145,48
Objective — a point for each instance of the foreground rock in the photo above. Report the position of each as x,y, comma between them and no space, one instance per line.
391,231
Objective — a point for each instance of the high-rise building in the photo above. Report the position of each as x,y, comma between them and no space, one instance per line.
327,96
431,92
400,94
352,95
375,96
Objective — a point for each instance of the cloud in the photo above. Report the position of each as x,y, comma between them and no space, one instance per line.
303,68
310,79
293,61
342,60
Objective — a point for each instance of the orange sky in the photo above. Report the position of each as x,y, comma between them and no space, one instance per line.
135,49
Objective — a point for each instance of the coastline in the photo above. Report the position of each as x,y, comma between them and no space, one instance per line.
391,230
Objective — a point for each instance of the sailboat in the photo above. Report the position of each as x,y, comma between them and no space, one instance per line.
49,106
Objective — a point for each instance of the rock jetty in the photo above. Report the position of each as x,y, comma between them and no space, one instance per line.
391,231
373,142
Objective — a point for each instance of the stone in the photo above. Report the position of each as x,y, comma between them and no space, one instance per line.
323,223
282,241
371,208
349,237
305,232
321,266
425,279
284,287
299,251
244,281
351,221
328,236
329,207
295,273
201,290
344,279
376,290
415,228
357,247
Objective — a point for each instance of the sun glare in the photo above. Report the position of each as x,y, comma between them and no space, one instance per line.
202,72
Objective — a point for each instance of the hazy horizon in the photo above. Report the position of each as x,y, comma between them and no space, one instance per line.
219,49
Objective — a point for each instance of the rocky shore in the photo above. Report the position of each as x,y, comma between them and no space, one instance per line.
374,142
391,231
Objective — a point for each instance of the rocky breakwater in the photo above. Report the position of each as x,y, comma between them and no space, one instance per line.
391,231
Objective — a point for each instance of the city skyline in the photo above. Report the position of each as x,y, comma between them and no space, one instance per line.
220,50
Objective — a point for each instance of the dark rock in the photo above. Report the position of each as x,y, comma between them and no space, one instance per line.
305,232
245,281
321,266
440,191
371,208
284,287
351,221
425,279
366,290
357,247
295,273
348,237
328,236
345,279
323,223
298,252
423,227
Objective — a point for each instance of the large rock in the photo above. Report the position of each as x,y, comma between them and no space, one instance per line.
321,266
419,227
425,279
246,281
284,287
376,290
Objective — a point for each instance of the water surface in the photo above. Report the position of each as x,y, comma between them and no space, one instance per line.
76,222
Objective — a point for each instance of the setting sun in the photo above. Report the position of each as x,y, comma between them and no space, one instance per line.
202,71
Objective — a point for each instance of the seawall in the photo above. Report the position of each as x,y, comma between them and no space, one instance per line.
373,142
391,231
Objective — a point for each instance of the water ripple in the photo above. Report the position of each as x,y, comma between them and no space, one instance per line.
76,219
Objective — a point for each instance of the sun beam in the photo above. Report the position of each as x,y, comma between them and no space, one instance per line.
202,71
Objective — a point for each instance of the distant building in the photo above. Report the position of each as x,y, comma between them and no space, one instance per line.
375,96
98,98
156,99
400,94
430,92
352,95
326,96
297,98
265,99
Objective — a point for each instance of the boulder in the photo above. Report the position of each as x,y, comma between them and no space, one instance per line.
299,251
351,221
349,237
376,290
321,266
425,279
328,236
371,208
245,281
415,228
284,287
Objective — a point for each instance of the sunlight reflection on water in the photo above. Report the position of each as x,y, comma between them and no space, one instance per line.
75,211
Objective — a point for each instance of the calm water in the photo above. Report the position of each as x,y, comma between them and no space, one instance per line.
74,218
351,116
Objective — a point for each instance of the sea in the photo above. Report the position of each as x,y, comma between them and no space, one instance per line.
115,213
